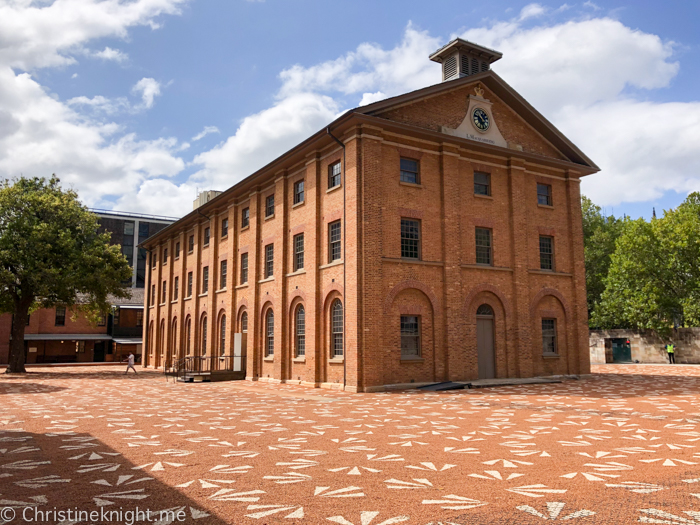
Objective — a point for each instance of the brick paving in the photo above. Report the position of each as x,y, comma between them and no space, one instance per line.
619,446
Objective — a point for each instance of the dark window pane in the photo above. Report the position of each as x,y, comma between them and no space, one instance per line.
482,183
222,274
270,206
410,336
334,251
546,253
301,332
269,333
224,227
549,336
205,279
544,194
409,171
298,192
269,260
245,217
298,252
244,268
334,171
410,239
483,246
337,329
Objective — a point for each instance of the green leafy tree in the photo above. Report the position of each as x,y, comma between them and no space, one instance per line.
600,233
654,278
52,254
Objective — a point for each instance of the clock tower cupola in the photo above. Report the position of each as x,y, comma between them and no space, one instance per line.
461,58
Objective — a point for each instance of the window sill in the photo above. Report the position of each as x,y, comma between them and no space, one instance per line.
221,290
487,197
336,361
187,298
244,285
411,184
269,217
269,359
330,265
205,246
550,272
329,190
299,360
545,206
412,261
298,204
486,267
203,294
190,252
244,228
151,306
224,237
162,304
551,356
412,360
267,279
300,271
176,258
174,301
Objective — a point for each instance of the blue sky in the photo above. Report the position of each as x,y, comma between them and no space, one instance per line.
138,103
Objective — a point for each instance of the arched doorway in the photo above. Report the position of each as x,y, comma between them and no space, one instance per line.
484,342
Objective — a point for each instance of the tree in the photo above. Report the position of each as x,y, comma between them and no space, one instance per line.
51,254
654,278
599,236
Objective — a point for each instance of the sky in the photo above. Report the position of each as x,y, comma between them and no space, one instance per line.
138,104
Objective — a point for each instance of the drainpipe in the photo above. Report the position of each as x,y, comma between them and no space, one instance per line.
146,306
345,354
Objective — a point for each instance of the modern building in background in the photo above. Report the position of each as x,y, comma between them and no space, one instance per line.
433,236
59,335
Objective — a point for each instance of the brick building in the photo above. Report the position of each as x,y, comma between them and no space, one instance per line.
58,335
428,237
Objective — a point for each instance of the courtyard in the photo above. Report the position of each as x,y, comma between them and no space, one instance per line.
619,446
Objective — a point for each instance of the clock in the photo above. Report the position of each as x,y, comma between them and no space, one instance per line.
481,119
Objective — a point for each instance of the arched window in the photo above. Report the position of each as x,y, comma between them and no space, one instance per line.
188,335
173,339
204,335
484,311
162,337
152,342
300,329
244,322
269,333
337,329
222,335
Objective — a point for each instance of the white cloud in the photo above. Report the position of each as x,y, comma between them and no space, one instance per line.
110,54
149,89
532,11
206,131
370,98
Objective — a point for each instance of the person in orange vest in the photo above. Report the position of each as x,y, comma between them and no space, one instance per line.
670,349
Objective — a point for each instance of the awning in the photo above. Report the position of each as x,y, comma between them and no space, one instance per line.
129,306
67,337
128,340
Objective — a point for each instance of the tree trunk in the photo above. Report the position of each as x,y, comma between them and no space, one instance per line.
19,323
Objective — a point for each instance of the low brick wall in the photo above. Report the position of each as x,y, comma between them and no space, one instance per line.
647,346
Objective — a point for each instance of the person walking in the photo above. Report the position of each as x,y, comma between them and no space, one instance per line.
131,363
671,350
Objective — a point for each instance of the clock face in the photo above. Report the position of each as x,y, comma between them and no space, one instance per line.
481,119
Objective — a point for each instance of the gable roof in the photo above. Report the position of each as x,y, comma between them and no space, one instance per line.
507,94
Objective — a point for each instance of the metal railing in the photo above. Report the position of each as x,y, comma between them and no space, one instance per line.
203,365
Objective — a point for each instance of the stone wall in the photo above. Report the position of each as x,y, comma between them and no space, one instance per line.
647,346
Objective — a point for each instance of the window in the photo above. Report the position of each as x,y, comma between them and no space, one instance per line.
176,288
115,317
298,252
177,250
153,295
300,328
188,335
484,311
222,274
410,336
224,227
165,256
409,171
334,251
299,191
269,333
190,246
482,183
244,322
173,339
270,205
102,321
337,329
204,335
205,279
544,194
483,246
269,260
549,336
245,218
128,229
244,268
410,239
189,284
222,335
334,175
61,316
207,235
163,292
546,252
154,260
139,317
